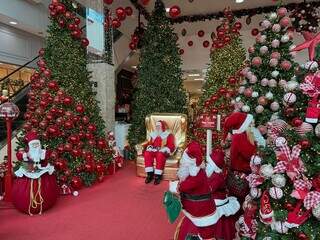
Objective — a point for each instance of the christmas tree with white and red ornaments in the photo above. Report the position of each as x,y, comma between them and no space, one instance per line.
223,76
284,199
62,107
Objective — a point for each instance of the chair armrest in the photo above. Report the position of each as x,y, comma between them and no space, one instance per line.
140,147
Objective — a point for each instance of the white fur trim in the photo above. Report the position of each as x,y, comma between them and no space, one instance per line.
33,141
173,186
228,206
186,159
244,125
25,157
194,170
212,167
149,169
163,135
291,225
158,171
165,150
205,220
34,175
311,120
264,216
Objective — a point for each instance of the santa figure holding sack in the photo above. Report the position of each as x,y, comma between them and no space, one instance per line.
159,147
244,142
228,206
197,201
35,189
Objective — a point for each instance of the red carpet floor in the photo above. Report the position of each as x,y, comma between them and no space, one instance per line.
122,207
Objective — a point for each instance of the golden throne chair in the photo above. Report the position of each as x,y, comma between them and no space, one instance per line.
177,123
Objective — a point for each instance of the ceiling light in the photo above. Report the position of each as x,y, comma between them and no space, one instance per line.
194,75
134,67
13,22
239,1
198,79
167,9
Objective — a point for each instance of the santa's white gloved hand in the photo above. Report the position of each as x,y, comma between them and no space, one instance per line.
165,150
173,186
149,148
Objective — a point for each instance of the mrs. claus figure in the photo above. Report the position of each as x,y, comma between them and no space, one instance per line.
160,146
35,189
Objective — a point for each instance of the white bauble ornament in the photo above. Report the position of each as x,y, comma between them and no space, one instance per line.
263,38
275,43
292,85
289,98
255,94
317,130
241,89
253,79
273,62
276,193
311,65
249,74
259,109
269,95
276,28
238,99
255,192
283,83
304,128
285,38
245,108
272,83
273,16
245,71
275,74
266,23
243,82
233,102
278,180
274,106
266,170
75,193
263,49
280,227
316,211
280,141
264,82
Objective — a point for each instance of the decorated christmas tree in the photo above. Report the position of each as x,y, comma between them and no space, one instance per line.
270,77
223,75
62,107
159,87
284,199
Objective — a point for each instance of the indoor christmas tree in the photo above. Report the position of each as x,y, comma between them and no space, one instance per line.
223,75
159,87
284,199
271,72
62,108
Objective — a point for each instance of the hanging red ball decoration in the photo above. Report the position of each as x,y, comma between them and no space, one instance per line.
302,236
200,33
174,11
116,23
132,45
238,25
232,80
254,32
206,44
80,108
297,122
77,21
190,43
181,51
145,2
305,143
128,11
84,42
108,1
121,13
76,183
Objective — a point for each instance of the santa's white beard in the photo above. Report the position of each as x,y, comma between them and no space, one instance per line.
183,172
35,154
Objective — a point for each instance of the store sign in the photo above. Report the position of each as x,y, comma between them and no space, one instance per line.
95,31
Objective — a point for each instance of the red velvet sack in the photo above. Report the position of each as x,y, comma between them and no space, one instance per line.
34,196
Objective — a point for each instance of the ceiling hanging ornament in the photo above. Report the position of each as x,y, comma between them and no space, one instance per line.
200,33
174,11
145,2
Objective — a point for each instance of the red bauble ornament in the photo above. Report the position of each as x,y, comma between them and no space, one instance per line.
190,43
181,51
61,8
200,33
135,39
85,42
76,183
51,6
41,52
68,100
289,111
53,13
68,14
68,147
80,108
220,44
206,44
76,33
132,45
145,2
254,32
76,152
296,122
101,143
108,1
289,206
89,167
68,124
116,23
220,34
53,130
92,127
85,119
174,11
47,73
71,26
128,11
232,80
77,21
121,13
302,236
43,124
100,168
60,164
238,25
61,23
226,39
235,30
305,143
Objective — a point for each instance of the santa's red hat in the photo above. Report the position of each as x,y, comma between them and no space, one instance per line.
217,158
238,122
32,137
194,151
162,124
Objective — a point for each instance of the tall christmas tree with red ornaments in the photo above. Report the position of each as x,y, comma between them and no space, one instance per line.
62,107
223,76
284,199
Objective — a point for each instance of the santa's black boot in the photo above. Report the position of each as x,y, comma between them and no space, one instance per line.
157,179
149,177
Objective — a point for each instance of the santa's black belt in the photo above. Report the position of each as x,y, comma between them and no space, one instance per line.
196,198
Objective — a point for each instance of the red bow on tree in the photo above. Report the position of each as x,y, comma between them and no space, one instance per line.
310,43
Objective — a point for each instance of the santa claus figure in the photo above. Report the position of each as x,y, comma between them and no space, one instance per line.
197,201
35,189
160,146
227,206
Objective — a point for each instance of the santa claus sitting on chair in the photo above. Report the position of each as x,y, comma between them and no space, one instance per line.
160,146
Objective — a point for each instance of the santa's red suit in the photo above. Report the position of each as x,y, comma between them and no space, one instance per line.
227,206
160,146
197,201
35,189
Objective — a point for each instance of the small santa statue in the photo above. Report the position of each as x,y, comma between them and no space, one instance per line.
35,189
197,201
159,148
227,206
